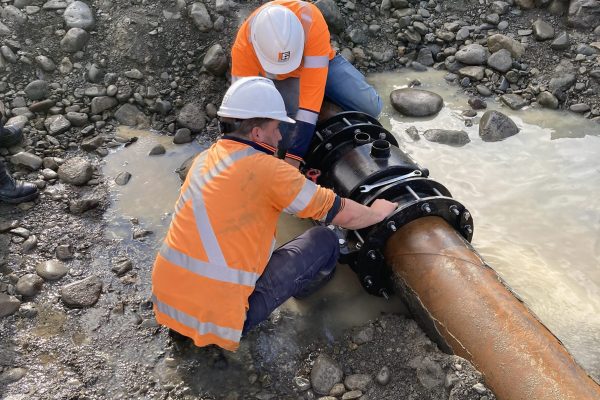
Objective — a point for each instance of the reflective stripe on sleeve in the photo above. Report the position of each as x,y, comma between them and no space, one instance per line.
303,198
202,328
316,61
307,116
217,272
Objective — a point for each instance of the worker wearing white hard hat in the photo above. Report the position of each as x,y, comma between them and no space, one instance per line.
288,41
218,274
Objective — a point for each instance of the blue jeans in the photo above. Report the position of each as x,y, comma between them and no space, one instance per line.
298,268
345,86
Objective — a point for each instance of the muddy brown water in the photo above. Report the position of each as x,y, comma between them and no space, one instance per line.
533,198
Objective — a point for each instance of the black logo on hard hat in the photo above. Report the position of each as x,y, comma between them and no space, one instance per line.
283,56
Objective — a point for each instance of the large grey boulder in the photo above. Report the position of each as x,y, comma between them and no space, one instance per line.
79,15
415,102
57,124
332,15
495,126
37,90
500,60
74,40
130,115
83,293
8,305
27,160
75,171
448,137
11,14
584,14
562,82
473,54
324,374
474,73
215,61
201,17
192,116
543,30
498,41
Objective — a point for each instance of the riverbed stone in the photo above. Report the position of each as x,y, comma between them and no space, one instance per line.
12,375
29,285
122,178
182,136
201,17
473,54
542,30
332,15
215,61
37,90
358,382
27,160
499,41
103,103
514,101
121,265
495,126
157,150
29,244
324,374
364,335
584,14
352,395
416,102
57,124
562,82
547,100
75,171
74,40
130,115
562,42
580,108
45,63
82,293
77,119
446,136
474,73
51,270
383,376
91,144
8,305
79,15
192,116
79,206
500,60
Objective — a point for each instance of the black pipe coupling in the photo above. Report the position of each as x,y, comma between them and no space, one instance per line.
354,155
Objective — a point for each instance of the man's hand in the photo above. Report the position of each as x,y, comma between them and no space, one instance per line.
383,208
356,216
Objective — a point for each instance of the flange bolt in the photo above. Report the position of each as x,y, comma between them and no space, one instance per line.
372,255
425,207
468,229
466,215
454,210
392,226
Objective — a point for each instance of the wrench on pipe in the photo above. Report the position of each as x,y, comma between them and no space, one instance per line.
368,188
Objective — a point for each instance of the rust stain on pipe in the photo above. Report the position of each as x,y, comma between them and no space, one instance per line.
455,294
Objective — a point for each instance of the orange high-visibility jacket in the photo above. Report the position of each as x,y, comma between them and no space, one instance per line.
313,69
222,235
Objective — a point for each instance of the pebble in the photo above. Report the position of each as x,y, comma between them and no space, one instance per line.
324,374
82,293
157,150
8,305
495,126
75,171
358,382
355,394
64,252
79,15
29,244
364,335
301,383
12,375
51,270
122,178
121,265
416,102
337,390
29,285
27,160
479,388
383,376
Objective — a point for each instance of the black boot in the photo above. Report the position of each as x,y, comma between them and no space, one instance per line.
10,135
14,192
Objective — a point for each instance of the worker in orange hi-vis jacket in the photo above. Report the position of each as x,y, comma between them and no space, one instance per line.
217,274
288,42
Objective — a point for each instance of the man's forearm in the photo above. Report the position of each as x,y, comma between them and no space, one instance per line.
356,216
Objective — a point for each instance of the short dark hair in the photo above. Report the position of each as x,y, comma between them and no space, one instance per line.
242,126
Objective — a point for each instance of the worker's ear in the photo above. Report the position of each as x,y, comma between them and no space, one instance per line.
257,134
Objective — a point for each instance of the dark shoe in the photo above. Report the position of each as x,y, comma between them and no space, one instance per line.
10,136
14,192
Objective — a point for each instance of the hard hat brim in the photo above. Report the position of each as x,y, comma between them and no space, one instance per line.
279,68
238,114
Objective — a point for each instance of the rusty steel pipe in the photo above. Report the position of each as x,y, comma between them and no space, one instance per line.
465,307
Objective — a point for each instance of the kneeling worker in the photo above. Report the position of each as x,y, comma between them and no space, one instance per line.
216,275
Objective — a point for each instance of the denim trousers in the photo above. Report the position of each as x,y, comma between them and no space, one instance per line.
345,86
298,268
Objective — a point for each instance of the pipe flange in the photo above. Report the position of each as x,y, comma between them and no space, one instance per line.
350,116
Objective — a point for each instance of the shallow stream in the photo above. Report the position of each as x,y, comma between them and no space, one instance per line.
532,196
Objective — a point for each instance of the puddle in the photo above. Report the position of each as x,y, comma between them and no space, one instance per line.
534,201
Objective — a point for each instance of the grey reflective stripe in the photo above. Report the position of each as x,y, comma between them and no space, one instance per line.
209,270
303,198
207,234
316,61
309,117
192,322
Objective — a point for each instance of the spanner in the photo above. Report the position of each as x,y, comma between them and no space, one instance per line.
368,188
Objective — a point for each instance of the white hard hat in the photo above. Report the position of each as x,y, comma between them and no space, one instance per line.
253,97
278,39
